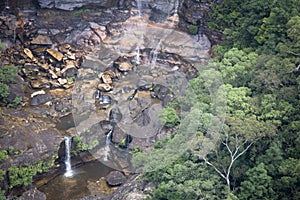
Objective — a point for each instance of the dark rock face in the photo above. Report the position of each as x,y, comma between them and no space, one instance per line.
115,178
32,135
72,4
40,99
196,13
134,188
162,9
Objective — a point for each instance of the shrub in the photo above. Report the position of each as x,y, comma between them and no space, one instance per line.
7,75
192,29
168,117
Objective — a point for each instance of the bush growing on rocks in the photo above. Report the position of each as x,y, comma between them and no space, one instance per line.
7,75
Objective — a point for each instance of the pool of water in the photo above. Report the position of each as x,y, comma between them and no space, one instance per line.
69,188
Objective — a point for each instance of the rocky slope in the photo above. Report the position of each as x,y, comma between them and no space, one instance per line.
99,48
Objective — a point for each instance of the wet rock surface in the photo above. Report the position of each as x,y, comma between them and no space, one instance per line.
71,5
134,188
33,194
113,70
30,137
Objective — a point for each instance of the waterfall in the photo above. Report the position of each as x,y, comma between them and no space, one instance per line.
155,52
154,55
138,54
107,143
139,7
127,142
176,6
7,5
69,171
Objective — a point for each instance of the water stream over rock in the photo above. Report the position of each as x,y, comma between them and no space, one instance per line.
69,172
137,62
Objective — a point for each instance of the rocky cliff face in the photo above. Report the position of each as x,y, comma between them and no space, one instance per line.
196,13
72,4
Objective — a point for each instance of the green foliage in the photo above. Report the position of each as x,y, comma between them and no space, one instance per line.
259,62
257,184
2,195
3,155
81,11
192,29
22,175
186,179
17,101
168,117
135,150
237,67
239,101
4,91
2,174
253,23
79,145
2,46
7,75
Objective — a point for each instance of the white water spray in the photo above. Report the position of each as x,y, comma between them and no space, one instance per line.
107,143
138,52
69,171
139,7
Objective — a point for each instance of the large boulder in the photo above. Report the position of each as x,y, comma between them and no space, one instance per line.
115,178
28,136
73,4
40,99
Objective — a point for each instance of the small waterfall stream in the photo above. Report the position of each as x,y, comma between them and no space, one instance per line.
107,143
139,7
156,50
69,172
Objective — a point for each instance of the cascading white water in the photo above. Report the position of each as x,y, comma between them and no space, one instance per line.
155,52
176,7
107,143
139,7
69,172
7,5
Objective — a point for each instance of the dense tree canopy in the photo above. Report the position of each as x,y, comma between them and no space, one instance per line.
257,153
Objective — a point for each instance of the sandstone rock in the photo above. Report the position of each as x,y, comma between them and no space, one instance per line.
28,53
40,99
42,40
115,178
41,83
124,66
52,74
56,54
37,93
62,81
71,4
99,30
44,66
104,87
93,62
106,78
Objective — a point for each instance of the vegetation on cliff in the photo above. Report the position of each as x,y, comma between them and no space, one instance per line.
257,155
